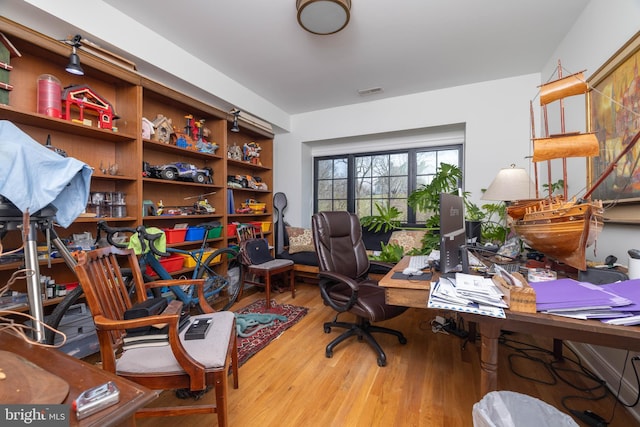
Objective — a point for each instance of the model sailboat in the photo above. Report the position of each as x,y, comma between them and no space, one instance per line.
562,229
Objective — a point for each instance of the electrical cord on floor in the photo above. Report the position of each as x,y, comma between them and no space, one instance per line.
527,351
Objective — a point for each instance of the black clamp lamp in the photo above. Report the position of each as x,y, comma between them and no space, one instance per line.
74,60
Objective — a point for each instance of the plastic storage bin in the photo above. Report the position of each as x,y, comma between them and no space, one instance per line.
194,233
266,226
511,409
175,235
214,233
189,262
231,230
171,263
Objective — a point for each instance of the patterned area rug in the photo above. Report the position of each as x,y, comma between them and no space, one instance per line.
260,335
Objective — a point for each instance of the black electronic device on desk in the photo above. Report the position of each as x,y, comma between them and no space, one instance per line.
198,329
452,232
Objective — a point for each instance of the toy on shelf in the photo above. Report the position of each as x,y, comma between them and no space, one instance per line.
251,153
234,152
179,170
202,133
163,129
7,51
202,206
251,206
84,98
147,128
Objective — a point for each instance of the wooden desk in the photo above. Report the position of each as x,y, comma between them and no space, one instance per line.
81,376
415,294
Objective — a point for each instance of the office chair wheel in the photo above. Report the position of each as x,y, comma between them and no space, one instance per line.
328,354
382,362
402,340
327,329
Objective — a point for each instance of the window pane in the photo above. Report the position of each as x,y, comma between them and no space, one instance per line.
448,156
363,166
398,164
325,169
325,189
426,162
401,204
364,207
398,186
381,187
325,205
340,189
340,205
380,166
363,188
340,168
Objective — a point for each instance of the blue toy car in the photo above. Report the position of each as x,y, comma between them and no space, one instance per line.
182,171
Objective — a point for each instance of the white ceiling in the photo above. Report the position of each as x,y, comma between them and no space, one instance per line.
270,64
403,46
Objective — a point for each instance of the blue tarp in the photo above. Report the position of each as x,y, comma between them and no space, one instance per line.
33,177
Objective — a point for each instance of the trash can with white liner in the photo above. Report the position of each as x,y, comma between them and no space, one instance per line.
511,409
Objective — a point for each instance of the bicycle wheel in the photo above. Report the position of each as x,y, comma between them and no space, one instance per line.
222,269
59,311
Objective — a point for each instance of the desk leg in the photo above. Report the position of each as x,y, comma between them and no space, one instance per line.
489,332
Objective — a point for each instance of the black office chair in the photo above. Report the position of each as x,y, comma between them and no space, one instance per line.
344,282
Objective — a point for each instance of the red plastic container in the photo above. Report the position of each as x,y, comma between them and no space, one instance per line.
231,230
171,263
175,235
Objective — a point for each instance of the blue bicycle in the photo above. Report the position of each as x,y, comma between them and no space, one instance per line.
221,269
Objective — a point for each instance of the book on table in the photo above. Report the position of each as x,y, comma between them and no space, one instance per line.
155,336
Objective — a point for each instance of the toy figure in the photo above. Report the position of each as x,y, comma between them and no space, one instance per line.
234,153
251,153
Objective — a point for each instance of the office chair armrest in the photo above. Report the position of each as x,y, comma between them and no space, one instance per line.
384,265
329,277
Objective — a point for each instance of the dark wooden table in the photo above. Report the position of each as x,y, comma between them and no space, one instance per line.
81,376
411,293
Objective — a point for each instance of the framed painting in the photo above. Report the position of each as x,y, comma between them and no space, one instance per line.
613,113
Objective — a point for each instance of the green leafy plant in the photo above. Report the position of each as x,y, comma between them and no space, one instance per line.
385,220
390,253
555,186
494,227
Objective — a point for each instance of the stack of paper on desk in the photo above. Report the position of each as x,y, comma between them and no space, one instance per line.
467,293
581,300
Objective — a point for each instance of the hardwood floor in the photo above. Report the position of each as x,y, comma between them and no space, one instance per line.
432,381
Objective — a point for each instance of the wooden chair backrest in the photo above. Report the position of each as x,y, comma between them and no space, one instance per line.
248,231
106,293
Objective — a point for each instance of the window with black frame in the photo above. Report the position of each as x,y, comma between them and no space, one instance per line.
356,182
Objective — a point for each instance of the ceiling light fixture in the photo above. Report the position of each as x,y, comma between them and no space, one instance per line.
323,16
74,60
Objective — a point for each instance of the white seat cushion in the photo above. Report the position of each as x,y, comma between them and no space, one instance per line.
210,351
276,263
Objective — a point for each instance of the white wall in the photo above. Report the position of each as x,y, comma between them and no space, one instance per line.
495,114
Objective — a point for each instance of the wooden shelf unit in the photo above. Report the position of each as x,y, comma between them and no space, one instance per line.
133,97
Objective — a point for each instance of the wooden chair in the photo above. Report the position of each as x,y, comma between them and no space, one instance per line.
193,364
260,272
